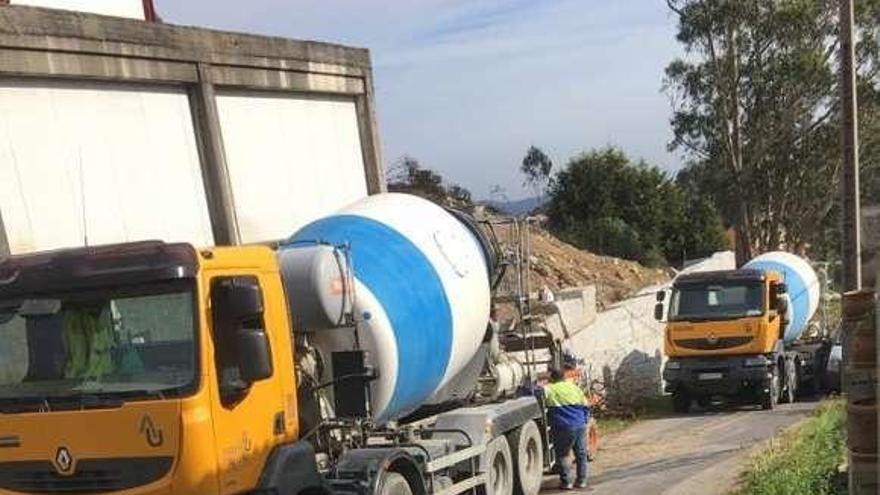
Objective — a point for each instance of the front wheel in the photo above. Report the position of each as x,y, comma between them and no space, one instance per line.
770,398
681,402
704,402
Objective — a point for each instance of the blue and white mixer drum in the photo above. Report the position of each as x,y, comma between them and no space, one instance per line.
421,280
803,287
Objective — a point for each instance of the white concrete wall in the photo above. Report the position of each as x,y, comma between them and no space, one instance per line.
624,345
574,311
291,159
98,163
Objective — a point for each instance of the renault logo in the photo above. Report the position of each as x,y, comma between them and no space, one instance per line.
712,338
152,433
63,461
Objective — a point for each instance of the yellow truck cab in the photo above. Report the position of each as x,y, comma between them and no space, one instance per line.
724,338
151,368
147,368
720,313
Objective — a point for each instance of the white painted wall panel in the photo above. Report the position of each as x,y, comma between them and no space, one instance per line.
98,161
119,8
291,160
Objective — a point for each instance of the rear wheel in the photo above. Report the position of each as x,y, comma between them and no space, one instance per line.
810,387
681,401
528,458
499,467
394,484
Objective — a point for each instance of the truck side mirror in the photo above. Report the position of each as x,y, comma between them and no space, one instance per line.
661,296
658,311
254,355
241,346
236,298
782,305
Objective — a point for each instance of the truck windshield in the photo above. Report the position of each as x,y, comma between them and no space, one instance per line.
713,301
99,348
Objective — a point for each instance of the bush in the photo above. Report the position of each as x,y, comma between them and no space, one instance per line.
611,236
610,205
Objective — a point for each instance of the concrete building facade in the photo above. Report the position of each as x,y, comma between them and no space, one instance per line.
309,89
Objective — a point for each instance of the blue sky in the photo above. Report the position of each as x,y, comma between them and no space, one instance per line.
465,86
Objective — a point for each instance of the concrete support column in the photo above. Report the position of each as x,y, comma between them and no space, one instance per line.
370,146
4,241
215,173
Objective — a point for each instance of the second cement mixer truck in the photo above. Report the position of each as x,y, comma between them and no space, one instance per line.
735,334
355,357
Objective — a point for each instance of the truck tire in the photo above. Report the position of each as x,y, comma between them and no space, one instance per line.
780,373
771,398
499,467
809,387
394,484
791,382
681,402
528,459
704,402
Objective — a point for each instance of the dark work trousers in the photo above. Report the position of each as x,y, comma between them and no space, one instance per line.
564,441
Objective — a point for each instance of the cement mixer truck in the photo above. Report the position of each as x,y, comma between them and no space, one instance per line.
736,334
354,357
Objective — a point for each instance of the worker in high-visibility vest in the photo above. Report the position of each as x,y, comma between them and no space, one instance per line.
568,412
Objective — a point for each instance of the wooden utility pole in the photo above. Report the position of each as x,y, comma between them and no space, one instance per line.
849,183
862,476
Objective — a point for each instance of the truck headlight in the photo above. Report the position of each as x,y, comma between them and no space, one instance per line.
673,365
754,362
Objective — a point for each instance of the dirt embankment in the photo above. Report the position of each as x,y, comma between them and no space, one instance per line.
558,265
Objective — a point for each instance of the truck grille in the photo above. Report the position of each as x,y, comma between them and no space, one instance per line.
719,343
91,476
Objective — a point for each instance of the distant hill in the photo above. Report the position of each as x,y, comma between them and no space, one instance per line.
517,208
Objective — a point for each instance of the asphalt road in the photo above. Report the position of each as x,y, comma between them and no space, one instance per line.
697,454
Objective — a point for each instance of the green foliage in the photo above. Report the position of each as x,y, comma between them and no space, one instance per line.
459,194
804,460
755,109
408,176
536,167
611,235
605,203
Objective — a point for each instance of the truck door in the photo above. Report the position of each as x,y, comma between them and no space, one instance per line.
247,404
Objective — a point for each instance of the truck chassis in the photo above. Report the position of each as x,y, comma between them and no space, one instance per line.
779,377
